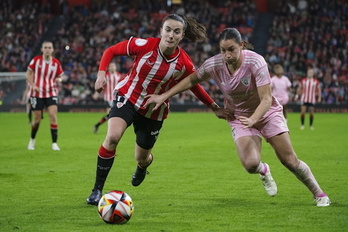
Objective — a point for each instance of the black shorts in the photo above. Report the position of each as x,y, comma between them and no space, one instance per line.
40,103
146,130
307,104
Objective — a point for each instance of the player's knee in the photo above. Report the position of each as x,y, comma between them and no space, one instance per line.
251,166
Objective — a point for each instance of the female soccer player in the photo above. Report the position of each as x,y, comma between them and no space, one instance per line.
159,64
310,91
43,74
243,77
280,86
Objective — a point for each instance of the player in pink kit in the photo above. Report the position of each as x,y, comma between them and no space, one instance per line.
243,77
158,65
280,85
112,77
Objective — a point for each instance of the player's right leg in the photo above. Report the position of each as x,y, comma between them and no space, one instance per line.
37,105
249,149
106,156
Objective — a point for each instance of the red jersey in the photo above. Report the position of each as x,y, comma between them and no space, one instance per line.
111,80
310,88
45,74
152,73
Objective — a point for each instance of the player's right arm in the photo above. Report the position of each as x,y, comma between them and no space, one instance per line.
185,84
118,49
30,78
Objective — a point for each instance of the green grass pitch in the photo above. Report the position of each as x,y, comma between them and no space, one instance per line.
196,181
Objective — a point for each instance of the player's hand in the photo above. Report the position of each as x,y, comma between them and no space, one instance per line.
223,113
247,122
154,98
100,84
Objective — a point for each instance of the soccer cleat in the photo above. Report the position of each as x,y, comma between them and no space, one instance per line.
94,198
302,127
55,147
139,176
322,201
95,129
312,128
31,145
268,182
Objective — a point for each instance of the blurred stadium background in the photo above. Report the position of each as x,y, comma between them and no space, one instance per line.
292,33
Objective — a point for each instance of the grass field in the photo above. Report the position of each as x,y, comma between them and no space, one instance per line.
196,183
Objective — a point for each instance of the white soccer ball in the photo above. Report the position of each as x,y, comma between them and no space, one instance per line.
116,207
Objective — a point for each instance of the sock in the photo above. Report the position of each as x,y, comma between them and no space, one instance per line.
102,120
302,119
104,164
30,115
311,119
34,129
305,175
54,132
261,169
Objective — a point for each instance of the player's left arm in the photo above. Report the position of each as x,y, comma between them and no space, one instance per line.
265,95
319,92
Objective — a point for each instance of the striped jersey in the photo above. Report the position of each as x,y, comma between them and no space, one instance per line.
45,73
111,81
240,88
152,72
310,88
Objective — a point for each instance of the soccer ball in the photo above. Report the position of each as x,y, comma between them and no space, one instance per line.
115,207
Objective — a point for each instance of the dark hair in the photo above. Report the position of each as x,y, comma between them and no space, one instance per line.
233,33
194,31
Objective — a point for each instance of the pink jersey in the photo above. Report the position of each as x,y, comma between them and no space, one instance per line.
152,73
240,89
309,90
45,74
280,86
111,81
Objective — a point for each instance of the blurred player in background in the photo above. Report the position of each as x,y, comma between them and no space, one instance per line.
112,77
310,91
43,74
281,86
158,65
243,77
26,101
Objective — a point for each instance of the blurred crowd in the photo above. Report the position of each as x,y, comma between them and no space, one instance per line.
303,33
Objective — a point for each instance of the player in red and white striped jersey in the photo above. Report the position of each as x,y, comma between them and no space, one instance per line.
310,91
158,65
43,74
112,77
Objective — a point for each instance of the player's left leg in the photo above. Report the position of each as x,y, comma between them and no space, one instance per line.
147,132
52,110
311,117
286,154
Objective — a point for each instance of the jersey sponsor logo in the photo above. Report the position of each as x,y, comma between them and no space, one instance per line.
245,81
140,42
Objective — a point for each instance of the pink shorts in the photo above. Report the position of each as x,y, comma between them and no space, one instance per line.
271,126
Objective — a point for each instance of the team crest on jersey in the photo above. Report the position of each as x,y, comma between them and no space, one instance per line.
140,42
245,81
119,104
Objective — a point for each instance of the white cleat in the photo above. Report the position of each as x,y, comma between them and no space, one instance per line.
302,127
55,147
268,182
31,145
322,201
